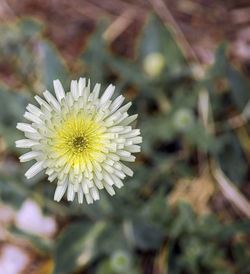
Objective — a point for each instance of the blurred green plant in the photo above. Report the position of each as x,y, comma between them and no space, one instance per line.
116,234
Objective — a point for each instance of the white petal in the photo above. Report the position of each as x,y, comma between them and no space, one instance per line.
89,165
128,120
86,92
118,165
34,110
25,127
127,170
116,129
119,174
26,143
85,187
113,117
116,103
109,162
123,153
76,187
98,174
49,171
133,148
120,140
70,192
114,157
69,99
33,170
96,91
89,199
41,102
33,135
51,99
81,85
60,93
98,183
122,118
117,181
80,196
74,89
107,178
120,146
132,133
126,129
108,168
136,140
107,94
89,183
30,155
131,158
60,190
33,118
52,177
109,189
125,107
94,193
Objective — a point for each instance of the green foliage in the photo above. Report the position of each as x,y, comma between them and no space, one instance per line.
238,85
157,37
77,246
10,116
11,191
95,56
42,245
234,96
138,221
51,66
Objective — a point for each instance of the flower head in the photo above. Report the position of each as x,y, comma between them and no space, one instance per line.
81,140
120,261
153,64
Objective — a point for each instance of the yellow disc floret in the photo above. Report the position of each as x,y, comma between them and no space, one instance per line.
78,140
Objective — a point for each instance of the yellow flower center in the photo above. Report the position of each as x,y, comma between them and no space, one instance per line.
78,140
79,144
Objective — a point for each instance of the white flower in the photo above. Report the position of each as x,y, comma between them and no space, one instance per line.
80,139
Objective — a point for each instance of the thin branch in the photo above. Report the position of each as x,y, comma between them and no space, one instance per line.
166,15
231,192
119,25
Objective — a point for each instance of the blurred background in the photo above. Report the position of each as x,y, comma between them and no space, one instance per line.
186,66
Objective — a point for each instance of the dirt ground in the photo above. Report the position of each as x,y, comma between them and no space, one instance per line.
201,24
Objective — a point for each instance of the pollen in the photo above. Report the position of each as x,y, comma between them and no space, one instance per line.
78,144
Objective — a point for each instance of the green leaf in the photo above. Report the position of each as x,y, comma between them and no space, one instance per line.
219,68
240,88
157,37
129,72
51,66
198,136
238,85
30,27
232,229
184,222
43,245
12,192
95,55
77,246
112,238
145,235
230,154
11,115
